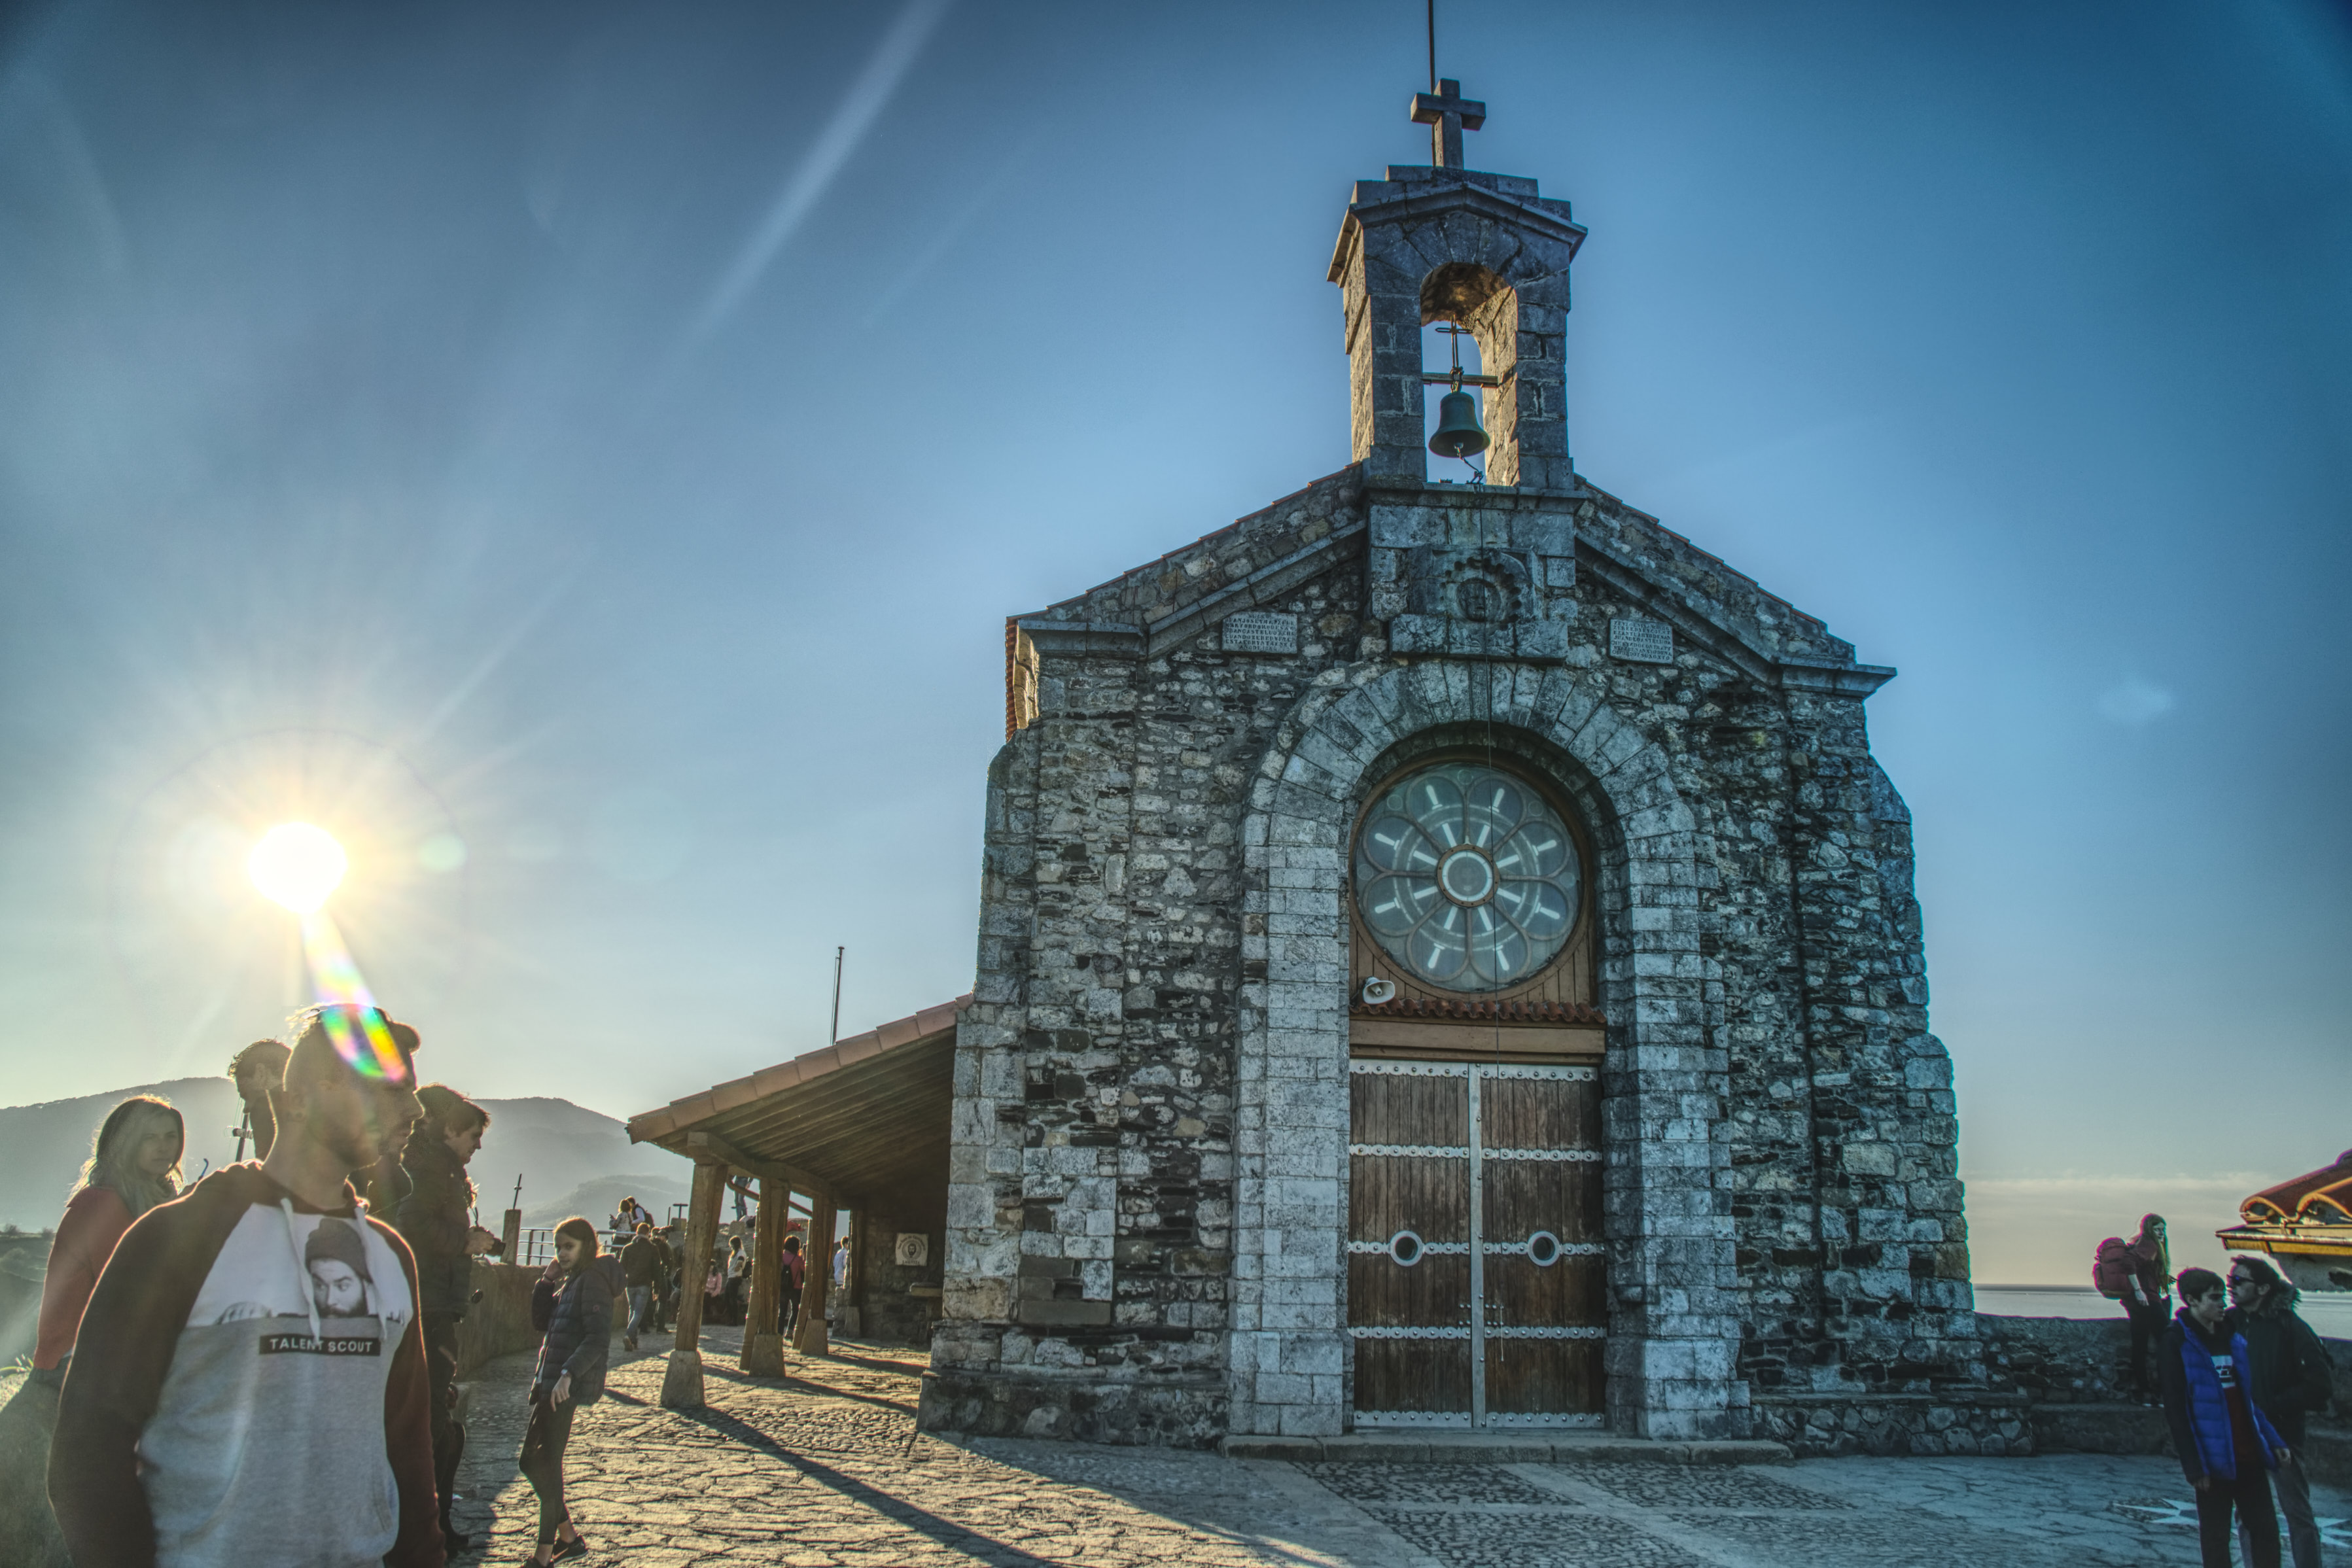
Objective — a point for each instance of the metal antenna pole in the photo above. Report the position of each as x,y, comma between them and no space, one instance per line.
836,1034
1433,46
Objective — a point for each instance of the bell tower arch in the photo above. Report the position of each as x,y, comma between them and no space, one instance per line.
1440,243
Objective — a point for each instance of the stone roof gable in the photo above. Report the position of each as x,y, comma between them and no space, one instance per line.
1186,578
1260,558
1647,560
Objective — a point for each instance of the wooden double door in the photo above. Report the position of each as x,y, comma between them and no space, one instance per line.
1476,1269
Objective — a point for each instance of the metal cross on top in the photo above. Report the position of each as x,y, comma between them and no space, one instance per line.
1448,114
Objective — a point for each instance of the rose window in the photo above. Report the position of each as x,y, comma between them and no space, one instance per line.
1467,877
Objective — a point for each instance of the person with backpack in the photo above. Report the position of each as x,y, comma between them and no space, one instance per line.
2292,1379
2227,1446
572,1306
2138,1274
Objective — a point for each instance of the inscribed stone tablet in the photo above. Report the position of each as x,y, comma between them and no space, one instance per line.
1643,642
1260,631
913,1251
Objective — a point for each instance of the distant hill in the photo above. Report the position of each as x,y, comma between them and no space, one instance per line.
570,1158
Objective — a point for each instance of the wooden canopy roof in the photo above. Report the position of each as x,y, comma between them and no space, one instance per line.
864,1115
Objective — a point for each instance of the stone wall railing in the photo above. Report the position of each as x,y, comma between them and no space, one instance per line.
2068,1372
499,1323
1817,1426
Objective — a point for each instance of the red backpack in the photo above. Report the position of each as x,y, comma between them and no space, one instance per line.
2113,1268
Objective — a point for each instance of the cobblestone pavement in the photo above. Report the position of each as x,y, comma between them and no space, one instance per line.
825,1467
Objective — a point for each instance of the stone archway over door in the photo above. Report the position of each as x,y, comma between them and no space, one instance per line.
1476,1269
1672,1334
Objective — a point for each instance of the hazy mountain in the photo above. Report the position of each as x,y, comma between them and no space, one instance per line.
570,1158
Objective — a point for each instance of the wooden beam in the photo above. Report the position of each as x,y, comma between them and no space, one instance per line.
712,1145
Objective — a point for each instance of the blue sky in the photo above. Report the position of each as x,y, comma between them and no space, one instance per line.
598,447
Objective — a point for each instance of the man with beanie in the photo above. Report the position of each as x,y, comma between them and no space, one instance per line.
436,1218
246,1390
2227,1446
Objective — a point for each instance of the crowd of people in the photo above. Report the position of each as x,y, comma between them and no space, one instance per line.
2239,1374
202,1353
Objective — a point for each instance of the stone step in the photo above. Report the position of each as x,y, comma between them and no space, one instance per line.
1518,1447
2101,1428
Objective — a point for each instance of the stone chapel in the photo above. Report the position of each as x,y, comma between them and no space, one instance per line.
1447,955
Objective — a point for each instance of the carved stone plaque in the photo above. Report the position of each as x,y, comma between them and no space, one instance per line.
1642,642
1260,632
914,1250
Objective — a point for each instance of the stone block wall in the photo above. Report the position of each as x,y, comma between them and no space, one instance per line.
1091,1188
898,1303
499,1324
1833,1427
2068,1376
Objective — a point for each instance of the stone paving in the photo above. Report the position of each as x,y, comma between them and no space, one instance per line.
825,1467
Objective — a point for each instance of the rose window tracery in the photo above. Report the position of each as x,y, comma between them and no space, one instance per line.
1467,877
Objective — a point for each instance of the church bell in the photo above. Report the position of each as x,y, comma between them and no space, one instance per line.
1458,432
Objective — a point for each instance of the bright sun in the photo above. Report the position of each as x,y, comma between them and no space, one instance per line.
298,865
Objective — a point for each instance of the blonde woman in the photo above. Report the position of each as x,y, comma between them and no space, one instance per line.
134,1164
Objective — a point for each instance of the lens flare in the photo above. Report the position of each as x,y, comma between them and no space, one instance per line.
297,866
353,1024
334,975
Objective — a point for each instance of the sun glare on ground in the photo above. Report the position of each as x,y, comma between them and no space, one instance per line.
298,865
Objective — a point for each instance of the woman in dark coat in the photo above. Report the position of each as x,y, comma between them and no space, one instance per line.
573,1304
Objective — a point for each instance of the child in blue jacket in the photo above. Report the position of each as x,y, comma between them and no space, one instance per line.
2227,1447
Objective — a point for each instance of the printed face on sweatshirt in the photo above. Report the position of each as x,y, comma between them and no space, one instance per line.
329,1285
267,1443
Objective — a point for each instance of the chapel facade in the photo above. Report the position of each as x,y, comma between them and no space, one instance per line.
1448,956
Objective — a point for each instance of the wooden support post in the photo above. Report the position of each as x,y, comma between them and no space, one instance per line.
511,1233
810,1337
763,1348
682,1380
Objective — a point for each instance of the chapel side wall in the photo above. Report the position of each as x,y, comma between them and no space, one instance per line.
1895,1276
1740,730
1089,1239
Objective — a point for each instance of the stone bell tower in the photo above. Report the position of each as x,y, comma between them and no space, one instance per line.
1483,251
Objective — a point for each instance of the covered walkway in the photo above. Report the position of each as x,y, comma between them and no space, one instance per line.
858,1128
